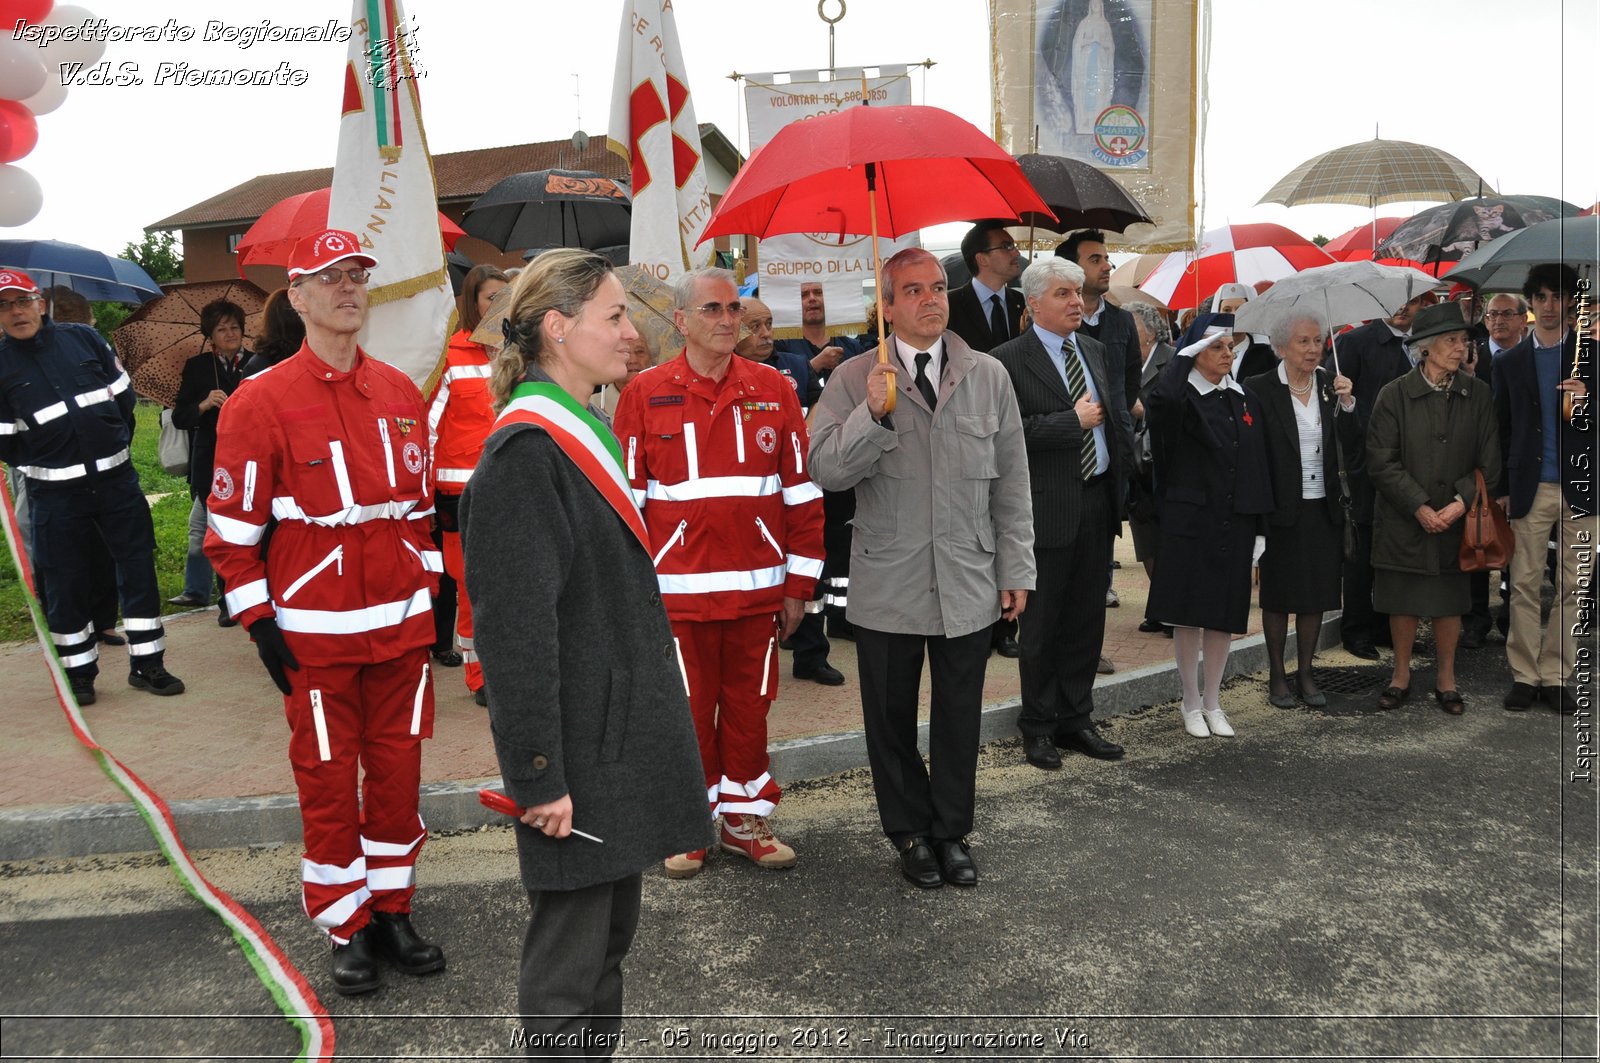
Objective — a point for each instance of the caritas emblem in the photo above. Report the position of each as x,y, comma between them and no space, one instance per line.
222,484
767,439
412,454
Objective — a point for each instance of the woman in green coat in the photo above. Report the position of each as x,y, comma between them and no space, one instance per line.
1430,431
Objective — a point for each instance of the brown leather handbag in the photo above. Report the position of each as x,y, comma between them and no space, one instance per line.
1486,539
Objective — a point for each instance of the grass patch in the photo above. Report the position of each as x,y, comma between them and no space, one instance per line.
170,515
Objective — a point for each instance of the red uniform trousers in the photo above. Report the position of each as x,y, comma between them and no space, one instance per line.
453,565
731,670
360,855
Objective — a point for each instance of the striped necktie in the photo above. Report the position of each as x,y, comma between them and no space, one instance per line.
1077,389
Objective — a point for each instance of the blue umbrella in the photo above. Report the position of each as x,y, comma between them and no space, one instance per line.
93,274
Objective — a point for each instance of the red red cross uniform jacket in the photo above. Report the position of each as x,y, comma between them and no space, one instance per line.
719,470
337,463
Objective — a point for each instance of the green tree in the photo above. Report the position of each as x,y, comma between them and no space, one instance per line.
160,256
1319,239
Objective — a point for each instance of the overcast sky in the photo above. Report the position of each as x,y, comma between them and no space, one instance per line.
1500,86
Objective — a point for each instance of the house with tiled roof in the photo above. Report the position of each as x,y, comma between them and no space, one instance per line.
211,228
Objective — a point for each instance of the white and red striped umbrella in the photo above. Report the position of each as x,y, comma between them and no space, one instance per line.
1259,251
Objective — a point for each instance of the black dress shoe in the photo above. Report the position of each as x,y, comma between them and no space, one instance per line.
1090,744
1041,752
1558,698
1006,646
354,968
821,672
1473,638
447,658
110,638
1151,627
224,619
919,865
481,697
955,863
1365,650
1520,697
397,942
187,599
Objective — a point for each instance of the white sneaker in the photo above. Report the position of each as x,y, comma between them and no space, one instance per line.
1218,720
1194,721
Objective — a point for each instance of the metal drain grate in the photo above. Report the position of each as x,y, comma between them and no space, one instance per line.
1358,680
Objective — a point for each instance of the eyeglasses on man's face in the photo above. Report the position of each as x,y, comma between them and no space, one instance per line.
334,275
1504,313
21,300
1009,245
712,311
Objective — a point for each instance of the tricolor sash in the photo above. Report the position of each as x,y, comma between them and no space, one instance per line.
584,440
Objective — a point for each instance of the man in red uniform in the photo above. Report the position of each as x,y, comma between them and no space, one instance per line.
715,449
330,447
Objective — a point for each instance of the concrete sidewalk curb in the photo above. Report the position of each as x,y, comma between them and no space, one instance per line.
93,830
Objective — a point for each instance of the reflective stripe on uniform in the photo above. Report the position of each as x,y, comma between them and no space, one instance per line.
452,476
135,623
72,639
708,582
333,874
105,394
88,656
375,848
144,649
11,428
72,472
810,567
800,494
246,597
713,487
50,413
236,532
284,507
392,878
354,621
339,912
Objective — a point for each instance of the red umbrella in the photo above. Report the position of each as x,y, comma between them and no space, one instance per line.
1357,244
269,241
879,171
1249,253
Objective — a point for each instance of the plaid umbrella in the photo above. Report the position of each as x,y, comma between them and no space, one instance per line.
1377,171
163,334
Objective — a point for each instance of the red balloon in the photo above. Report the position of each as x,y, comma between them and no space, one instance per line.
32,10
18,131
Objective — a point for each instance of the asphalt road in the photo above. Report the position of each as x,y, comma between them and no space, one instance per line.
1340,884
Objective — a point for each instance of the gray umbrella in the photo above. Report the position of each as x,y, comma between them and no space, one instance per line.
551,208
1502,266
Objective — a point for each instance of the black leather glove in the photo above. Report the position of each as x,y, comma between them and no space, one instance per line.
274,652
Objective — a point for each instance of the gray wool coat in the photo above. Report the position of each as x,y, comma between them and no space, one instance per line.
944,513
1422,449
585,694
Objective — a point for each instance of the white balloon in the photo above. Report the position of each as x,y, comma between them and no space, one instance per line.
78,51
48,98
21,72
20,196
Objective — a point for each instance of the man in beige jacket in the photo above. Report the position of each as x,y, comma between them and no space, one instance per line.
943,546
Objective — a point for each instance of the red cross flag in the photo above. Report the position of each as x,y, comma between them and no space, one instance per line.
653,127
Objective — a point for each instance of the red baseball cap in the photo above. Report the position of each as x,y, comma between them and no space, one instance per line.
318,251
15,278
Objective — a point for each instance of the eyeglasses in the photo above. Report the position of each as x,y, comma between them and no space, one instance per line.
333,275
21,300
1009,245
716,310
1504,313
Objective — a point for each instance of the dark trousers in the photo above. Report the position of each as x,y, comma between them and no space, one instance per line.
444,604
1063,629
1361,623
569,988
809,642
934,801
72,524
1478,619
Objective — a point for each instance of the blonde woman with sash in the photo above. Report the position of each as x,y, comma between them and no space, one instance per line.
586,702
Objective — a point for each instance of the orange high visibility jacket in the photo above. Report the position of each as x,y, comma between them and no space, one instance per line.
460,414
338,462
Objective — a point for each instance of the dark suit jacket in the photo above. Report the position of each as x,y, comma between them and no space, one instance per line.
1371,356
1283,444
970,321
1054,437
1518,405
202,375
1117,334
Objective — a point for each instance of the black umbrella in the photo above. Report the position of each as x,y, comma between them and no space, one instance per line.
1081,196
1449,232
551,208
